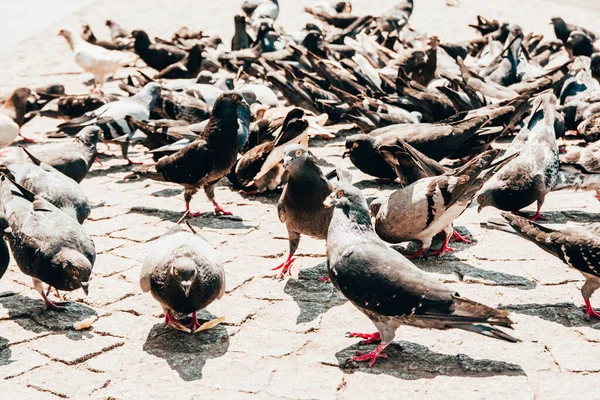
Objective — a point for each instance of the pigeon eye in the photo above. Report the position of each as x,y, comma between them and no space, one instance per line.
76,273
298,153
175,272
234,96
340,194
354,145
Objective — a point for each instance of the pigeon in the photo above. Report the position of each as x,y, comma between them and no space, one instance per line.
563,30
260,9
204,162
240,40
95,59
89,37
110,118
47,244
4,252
188,67
183,273
50,184
580,44
430,205
261,167
578,247
534,173
12,114
74,159
116,31
300,206
387,287
156,55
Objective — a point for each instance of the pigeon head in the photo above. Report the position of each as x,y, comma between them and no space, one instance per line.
90,135
485,197
346,195
579,44
595,66
229,104
76,268
249,96
69,37
240,21
142,40
18,99
295,155
183,271
359,144
150,93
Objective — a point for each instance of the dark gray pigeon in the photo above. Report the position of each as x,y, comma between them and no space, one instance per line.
430,205
578,247
46,243
4,253
110,118
183,273
74,159
300,206
534,173
387,287
50,184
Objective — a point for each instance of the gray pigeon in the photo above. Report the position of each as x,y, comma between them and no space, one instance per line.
300,206
74,159
387,287
430,205
184,275
110,118
578,247
47,244
50,184
534,173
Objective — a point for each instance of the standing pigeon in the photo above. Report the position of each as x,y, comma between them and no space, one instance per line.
4,252
430,205
183,273
563,30
534,173
387,287
47,244
205,161
578,247
300,206
52,185
95,59
12,114
156,55
74,159
110,118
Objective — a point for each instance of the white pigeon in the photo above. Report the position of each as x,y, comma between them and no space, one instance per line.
12,114
95,59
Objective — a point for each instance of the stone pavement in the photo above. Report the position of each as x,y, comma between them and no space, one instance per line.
284,339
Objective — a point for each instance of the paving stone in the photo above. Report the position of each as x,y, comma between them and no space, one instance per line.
105,291
105,244
366,385
267,342
62,381
109,264
251,373
237,310
19,330
124,325
74,347
582,357
490,388
140,233
16,360
305,381
23,392
568,386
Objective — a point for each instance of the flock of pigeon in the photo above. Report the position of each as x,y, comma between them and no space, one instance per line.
212,111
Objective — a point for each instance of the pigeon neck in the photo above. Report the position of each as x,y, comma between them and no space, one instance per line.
73,41
354,220
221,129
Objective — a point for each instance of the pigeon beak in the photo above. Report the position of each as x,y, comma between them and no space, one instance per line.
328,203
346,153
286,161
479,208
84,287
186,285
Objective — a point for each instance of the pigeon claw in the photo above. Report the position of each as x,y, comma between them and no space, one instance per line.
129,162
248,192
194,325
370,337
538,217
443,250
457,237
285,267
173,323
417,254
220,210
26,139
56,305
589,310
325,279
370,357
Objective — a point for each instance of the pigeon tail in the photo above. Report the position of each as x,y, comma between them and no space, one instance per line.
489,332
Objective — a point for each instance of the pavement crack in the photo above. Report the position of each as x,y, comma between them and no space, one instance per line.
39,389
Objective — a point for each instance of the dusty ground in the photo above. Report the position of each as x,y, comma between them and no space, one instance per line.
283,338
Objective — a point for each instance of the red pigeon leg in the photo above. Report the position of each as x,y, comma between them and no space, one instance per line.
589,311
26,139
129,162
372,356
189,213
444,249
325,279
172,322
248,192
286,266
51,305
194,324
220,210
538,216
417,254
457,237
370,337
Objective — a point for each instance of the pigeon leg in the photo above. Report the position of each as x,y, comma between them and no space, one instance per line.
589,310
189,213
26,139
129,162
444,249
220,210
372,356
417,254
210,194
538,216
457,237
325,279
248,192
171,321
597,195
194,324
50,305
187,196
286,266
370,337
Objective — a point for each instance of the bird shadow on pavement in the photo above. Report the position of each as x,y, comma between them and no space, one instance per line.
450,264
561,217
184,352
566,314
373,184
313,296
407,360
31,314
207,220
